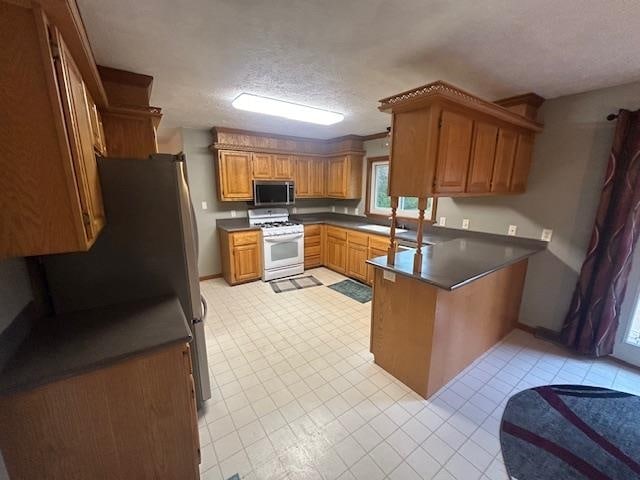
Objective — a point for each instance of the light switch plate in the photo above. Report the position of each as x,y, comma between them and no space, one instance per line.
546,234
294,210
513,229
465,223
442,221
387,275
204,205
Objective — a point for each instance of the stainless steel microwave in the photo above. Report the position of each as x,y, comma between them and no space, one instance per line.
273,193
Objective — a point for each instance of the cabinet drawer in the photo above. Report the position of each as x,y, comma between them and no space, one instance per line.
338,233
313,261
311,251
310,241
312,230
358,238
245,238
379,243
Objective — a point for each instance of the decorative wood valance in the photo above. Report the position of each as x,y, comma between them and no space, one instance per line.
248,141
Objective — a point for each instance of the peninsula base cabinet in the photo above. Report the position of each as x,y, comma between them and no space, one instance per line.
241,256
133,419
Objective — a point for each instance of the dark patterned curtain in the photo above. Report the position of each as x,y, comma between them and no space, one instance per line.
592,322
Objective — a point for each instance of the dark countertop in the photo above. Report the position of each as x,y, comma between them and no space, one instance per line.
455,263
67,345
451,257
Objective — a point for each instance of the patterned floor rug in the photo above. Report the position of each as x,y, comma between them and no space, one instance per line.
356,290
571,432
289,284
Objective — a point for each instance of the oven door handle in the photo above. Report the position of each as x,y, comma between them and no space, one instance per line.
282,238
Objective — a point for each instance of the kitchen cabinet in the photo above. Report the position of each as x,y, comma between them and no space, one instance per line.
241,256
132,419
336,249
313,246
317,177
234,175
454,146
378,247
283,167
309,177
357,245
522,163
50,190
99,141
262,166
448,142
344,177
505,157
483,153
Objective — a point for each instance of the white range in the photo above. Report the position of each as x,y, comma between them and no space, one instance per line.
282,242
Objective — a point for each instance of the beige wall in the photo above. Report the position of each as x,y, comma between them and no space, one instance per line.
570,157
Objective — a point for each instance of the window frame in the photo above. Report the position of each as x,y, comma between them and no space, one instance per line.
410,216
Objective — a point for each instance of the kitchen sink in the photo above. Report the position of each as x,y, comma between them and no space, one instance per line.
380,229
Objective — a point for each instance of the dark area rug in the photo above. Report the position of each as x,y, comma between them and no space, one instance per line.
356,290
289,284
571,432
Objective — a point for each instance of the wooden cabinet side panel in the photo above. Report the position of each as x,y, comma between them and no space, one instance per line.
402,347
130,420
454,149
473,318
413,152
39,203
505,155
483,154
226,257
129,135
522,163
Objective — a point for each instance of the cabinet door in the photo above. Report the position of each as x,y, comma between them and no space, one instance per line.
337,172
356,261
336,254
454,148
81,139
283,167
522,163
262,166
505,155
235,175
483,154
97,128
246,262
373,253
303,177
317,179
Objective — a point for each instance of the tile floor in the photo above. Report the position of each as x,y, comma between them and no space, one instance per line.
296,394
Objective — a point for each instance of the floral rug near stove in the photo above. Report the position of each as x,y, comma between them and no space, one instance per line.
289,284
571,432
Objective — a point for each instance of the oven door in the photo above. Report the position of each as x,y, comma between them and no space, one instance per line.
283,250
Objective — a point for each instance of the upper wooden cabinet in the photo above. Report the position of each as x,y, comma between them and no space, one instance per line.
454,146
320,168
262,166
344,177
50,198
448,142
283,167
234,172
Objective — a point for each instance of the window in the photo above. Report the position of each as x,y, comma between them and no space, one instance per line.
379,200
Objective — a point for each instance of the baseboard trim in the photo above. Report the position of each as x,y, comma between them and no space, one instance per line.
526,328
210,277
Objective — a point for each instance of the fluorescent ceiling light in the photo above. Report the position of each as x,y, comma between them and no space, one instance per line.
279,108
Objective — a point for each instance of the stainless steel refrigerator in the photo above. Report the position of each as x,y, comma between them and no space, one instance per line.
149,247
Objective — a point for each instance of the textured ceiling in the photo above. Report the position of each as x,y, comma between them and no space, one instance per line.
344,55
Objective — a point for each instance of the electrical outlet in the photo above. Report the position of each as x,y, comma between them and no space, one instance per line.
233,214
442,221
356,211
546,234
389,276
333,208
294,210
204,205
346,209
465,223
513,229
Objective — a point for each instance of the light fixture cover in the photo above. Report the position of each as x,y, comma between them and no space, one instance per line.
280,108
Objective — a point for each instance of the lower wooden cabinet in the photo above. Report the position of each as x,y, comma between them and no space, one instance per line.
241,256
378,247
336,249
134,419
313,246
